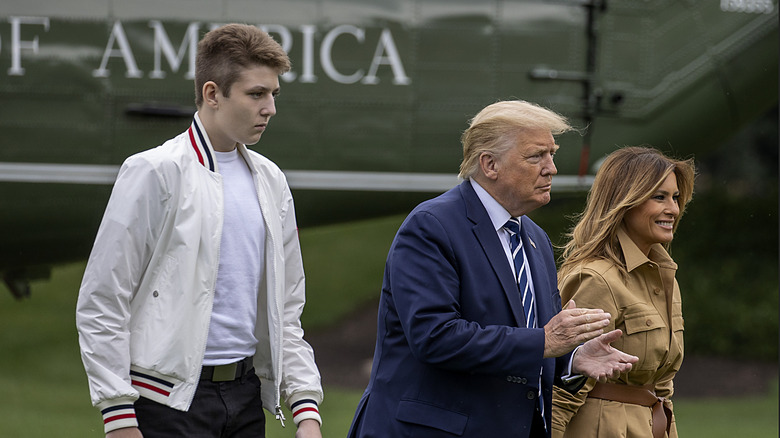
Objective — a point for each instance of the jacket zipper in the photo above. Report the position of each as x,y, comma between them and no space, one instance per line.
212,290
277,311
280,414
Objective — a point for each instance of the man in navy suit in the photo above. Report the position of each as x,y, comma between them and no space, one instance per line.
454,355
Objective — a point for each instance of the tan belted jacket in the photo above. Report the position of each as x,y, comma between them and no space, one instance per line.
647,307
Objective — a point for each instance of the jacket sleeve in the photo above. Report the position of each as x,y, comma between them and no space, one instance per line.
590,290
119,256
301,384
423,274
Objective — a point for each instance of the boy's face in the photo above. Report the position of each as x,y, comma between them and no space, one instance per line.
243,116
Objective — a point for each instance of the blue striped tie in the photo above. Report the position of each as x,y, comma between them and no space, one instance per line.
516,247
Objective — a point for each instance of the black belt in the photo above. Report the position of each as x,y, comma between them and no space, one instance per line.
227,372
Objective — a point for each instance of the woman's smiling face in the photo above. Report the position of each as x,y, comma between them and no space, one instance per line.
653,220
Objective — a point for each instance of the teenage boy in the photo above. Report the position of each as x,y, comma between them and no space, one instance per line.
189,310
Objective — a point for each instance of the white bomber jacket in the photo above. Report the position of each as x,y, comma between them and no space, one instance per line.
144,304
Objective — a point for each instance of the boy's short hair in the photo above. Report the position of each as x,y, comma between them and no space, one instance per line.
225,51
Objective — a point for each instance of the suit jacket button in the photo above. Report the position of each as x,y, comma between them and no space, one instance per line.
508,378
531,395
523,381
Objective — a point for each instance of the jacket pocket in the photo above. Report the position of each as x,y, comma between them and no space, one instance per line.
643,322
646,337
424,414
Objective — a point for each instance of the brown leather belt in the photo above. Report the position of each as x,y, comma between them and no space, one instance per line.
637,395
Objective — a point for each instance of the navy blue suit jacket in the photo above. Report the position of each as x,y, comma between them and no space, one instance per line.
451,358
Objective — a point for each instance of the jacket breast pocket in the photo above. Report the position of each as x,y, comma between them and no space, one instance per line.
424,414
646,337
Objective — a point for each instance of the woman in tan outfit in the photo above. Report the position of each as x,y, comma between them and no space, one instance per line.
617,260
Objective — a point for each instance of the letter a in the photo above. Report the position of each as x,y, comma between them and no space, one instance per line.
387,45
118,36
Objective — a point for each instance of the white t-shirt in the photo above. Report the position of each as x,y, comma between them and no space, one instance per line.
233,317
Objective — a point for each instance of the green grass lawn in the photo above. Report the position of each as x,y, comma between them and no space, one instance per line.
42,382
44,390
748,417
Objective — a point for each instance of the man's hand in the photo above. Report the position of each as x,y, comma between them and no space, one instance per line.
125,432
599,360
308,429
571,327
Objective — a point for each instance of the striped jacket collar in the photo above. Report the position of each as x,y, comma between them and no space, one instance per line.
199,141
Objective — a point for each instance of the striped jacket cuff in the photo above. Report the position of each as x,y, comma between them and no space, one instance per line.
305,409
118,416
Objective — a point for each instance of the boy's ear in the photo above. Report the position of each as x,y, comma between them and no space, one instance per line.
210,94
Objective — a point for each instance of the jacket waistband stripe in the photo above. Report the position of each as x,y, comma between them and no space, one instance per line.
150,387
152,378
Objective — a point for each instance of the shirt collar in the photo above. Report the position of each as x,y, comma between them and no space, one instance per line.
498,214
635,257
201,145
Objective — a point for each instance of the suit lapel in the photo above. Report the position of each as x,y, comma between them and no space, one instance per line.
488,240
